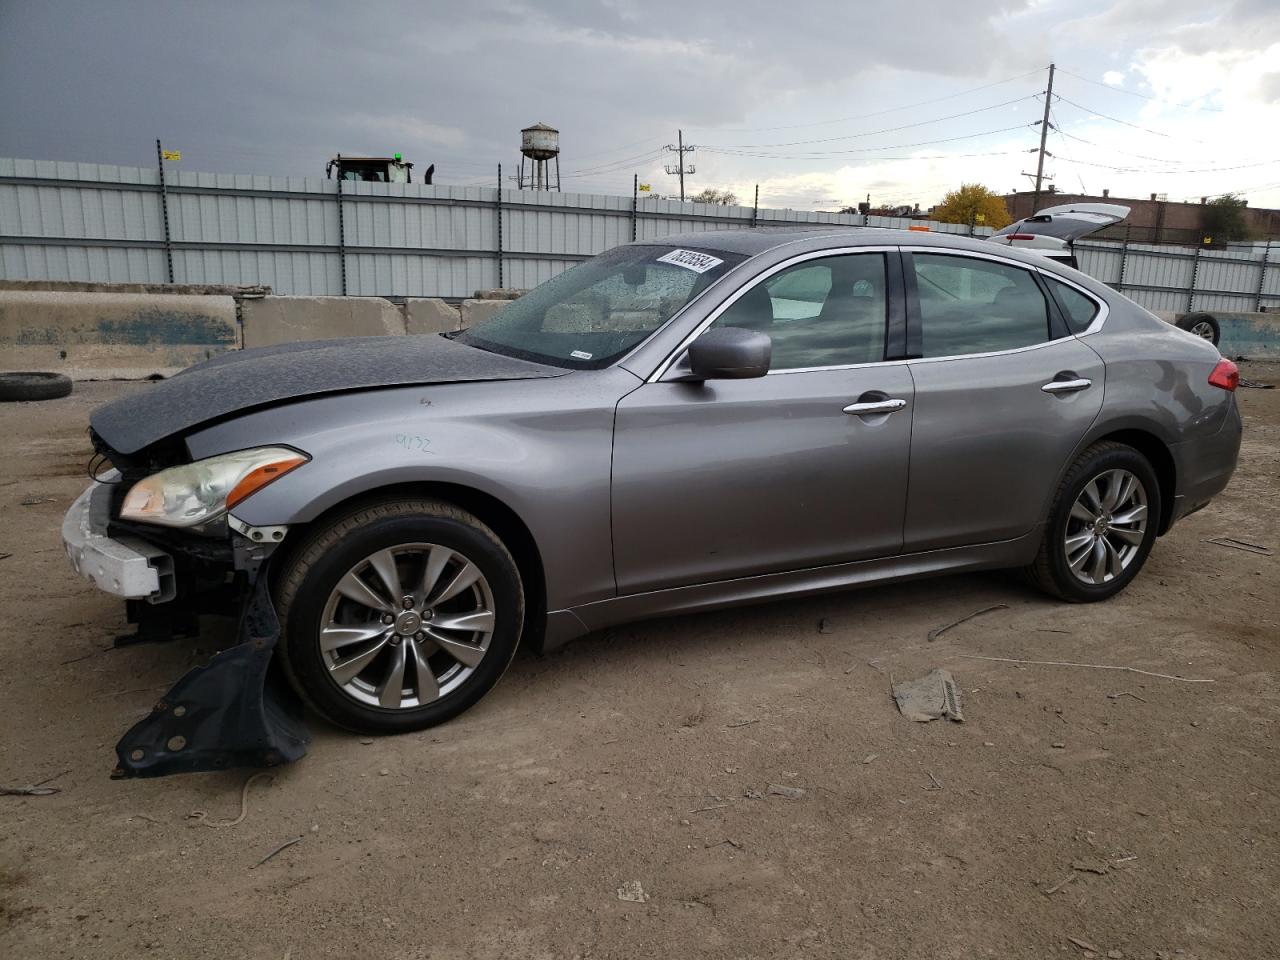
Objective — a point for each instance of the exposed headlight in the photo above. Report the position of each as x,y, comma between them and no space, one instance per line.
191,494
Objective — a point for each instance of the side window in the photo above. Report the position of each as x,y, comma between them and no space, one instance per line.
820,313
977,306
1076,307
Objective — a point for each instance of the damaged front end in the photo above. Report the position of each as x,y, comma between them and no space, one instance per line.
234,710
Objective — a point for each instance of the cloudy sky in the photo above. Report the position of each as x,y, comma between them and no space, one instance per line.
820,102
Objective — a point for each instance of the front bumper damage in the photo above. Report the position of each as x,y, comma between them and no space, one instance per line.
233,711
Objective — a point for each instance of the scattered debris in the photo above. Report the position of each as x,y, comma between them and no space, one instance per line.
366,741
790,793
284,846
929,697
1059,745
37,789
1244,545
753,794
714,806
1092,666
743,723
384,772
5,556
824,626
936,784
1083,944
937,632
1255,384
632,892
1059,885
720,843
692,720
32,791
32,501
202,816
1128,859
1124,693
84,656
869,757
1100,867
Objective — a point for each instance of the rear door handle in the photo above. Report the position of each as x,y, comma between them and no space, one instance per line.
1067,386
875,406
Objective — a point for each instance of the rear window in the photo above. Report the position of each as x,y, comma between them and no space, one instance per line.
1078,309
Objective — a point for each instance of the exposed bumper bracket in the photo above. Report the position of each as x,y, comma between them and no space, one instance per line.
225,714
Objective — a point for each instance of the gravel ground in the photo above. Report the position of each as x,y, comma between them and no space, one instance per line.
1075,810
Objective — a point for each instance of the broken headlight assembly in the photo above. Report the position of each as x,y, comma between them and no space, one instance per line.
195,493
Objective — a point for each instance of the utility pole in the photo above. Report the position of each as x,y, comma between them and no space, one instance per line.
1044,133
680,150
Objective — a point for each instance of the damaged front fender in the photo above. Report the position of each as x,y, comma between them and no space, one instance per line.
227,713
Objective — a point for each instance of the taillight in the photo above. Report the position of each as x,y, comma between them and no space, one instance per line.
1225,375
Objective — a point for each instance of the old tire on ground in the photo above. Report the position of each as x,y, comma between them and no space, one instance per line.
29,385
1102,526
1203,325
375,662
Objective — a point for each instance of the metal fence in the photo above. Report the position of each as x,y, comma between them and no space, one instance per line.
301,235
1241,278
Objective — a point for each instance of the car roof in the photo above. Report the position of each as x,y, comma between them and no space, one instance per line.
757,240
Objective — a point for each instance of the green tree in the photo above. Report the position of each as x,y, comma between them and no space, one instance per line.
1223,218
726,198
973,203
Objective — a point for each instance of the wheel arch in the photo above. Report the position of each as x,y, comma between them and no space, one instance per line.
489,509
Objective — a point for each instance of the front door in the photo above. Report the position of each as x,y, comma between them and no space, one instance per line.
801,468
1004,393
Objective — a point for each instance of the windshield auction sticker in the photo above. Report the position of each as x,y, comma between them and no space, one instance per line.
691,260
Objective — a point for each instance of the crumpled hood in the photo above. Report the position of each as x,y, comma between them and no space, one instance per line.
243,380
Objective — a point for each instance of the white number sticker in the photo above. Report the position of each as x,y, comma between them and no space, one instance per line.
580,355
691,260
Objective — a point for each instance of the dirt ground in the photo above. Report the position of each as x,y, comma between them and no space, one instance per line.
1074,811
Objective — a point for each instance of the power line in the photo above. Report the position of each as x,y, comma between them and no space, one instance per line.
1104,116
818,155
872,133
877,113
1106,166
1141,96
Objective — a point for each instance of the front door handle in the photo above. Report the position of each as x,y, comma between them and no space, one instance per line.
1067,386
875,406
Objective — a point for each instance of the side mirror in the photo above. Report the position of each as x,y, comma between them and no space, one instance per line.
729,353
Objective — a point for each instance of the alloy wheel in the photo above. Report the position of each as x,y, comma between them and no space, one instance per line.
407,625
1106,526
1203,329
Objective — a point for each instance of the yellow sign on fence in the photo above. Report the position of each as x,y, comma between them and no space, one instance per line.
173,154
644,188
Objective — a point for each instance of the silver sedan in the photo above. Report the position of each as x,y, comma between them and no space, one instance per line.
708,420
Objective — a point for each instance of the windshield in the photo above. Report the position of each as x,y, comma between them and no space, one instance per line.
591,315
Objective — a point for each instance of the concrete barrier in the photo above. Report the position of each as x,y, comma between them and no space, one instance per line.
474,311
1244,334
99,336
430,315
271,320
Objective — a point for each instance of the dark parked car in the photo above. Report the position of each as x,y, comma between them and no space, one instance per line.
672,426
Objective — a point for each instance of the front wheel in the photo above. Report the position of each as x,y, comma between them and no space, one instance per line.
1102,525
399,616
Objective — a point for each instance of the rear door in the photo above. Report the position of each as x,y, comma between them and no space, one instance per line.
804,467
1003,393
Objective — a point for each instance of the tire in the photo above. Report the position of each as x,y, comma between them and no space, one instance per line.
1067,534
28,385
1203,325
410,532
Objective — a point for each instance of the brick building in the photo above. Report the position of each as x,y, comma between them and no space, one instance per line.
1153,220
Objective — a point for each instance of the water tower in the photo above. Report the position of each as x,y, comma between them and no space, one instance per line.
540,144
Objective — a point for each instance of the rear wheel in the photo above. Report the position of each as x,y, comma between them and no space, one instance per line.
1102,526
399,616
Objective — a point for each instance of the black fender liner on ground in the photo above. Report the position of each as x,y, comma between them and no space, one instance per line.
224,714
30,385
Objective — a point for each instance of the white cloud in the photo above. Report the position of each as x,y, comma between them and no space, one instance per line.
1113,78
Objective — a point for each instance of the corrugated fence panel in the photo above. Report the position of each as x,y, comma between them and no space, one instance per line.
87,221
